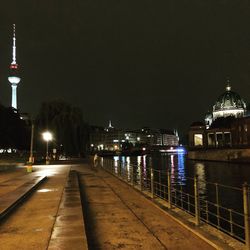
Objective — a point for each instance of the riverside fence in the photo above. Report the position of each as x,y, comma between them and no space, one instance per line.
189,197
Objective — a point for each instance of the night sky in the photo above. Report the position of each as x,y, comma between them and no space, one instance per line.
157,63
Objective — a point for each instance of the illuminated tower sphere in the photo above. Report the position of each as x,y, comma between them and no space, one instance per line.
13,78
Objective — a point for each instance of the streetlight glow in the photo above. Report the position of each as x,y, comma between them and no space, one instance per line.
47,136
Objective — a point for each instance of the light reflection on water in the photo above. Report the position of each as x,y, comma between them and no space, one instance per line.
116,159
174,162
181,169
200,173
183,172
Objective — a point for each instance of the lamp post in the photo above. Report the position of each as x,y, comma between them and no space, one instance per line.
47,136
31,158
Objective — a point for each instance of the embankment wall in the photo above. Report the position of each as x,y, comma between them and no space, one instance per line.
220,155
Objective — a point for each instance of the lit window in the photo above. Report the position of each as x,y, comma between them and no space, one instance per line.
198,140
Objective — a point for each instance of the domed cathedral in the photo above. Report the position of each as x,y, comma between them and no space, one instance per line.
228,104
232,131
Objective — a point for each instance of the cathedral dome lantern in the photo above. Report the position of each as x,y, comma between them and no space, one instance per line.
229,104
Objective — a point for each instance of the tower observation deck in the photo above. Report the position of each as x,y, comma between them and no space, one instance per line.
14,78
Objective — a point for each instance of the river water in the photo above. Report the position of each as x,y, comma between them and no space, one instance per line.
231,174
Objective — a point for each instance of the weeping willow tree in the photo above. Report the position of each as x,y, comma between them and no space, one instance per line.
70,131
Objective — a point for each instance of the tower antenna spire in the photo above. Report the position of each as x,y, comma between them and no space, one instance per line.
14,78
14,45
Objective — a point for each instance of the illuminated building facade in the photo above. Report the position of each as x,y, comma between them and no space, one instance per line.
232,133
214,137
228,104
226,126
14,78
113,139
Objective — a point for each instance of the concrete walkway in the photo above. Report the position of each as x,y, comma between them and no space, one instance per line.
118,217
115,215
31,225
69,231
11,200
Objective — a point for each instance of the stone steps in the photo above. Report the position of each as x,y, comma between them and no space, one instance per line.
69,229
12,199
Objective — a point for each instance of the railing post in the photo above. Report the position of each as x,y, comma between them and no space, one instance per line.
181,197
152,182
231,221
126,173
169,190
160,186
246,214
132,175
217,204
141,178
206,211
188,203
113,167
118,169
196,201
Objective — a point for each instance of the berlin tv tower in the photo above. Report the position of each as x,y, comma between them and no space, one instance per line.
13,78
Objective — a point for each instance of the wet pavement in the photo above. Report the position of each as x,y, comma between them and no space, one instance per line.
118,217
12,199
31,225
69,231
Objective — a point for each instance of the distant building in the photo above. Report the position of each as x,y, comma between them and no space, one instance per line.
113,139
234,132
226,126
200,137
228,104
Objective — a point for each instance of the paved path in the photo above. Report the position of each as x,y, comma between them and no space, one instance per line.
69,231
118,217
6,179
30,226
11,200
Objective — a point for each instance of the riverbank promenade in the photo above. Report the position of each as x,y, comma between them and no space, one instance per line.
80,207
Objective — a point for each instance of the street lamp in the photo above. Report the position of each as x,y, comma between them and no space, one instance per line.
47,136
31,158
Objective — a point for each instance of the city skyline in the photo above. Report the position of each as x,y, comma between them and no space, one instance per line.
138,64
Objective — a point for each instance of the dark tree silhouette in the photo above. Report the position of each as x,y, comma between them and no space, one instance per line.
66,122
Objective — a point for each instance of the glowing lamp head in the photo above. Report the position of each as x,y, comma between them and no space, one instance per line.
47,136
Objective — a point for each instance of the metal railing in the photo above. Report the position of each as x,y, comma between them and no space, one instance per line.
161,184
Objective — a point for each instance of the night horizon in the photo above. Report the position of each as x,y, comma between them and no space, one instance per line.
135,63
